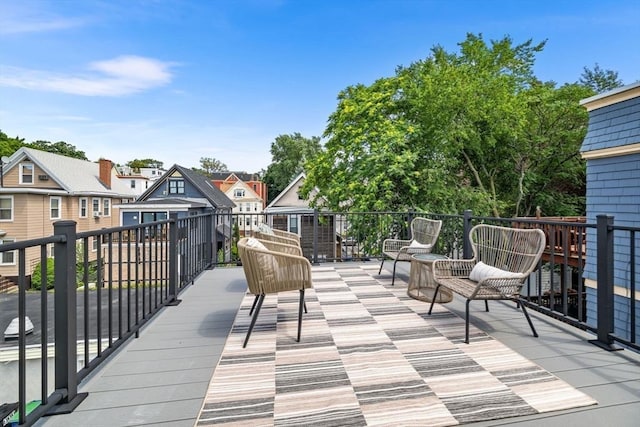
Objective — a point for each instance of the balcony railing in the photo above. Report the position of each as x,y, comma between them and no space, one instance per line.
108,283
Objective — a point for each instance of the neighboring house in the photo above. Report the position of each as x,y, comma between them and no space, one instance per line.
39,188
139,179
612,151
138,183
248,212
291,212
225,180
185,192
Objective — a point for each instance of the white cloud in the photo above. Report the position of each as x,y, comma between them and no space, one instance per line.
16,26
120,76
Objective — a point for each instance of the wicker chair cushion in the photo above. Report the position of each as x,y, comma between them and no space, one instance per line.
264,228
482,271
267,263
417,245
255,243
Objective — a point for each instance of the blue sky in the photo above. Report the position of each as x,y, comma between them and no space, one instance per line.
177,80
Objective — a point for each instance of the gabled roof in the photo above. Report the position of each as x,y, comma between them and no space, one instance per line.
208,191
245,187
75,176
295,180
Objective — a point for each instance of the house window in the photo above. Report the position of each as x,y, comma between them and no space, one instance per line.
106,207
6,208
293,224
7,258
176,186
95,206
26,173
238,192
83,203
55,207
94,243
133,183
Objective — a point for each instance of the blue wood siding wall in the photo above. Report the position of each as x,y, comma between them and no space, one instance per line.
189,190
613,188
613,126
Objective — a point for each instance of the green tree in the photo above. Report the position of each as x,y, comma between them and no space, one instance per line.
62,148
209,165
289,153
473,129
599,80
554,178
8,145
136,164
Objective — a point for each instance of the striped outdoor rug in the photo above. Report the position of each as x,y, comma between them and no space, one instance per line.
370,355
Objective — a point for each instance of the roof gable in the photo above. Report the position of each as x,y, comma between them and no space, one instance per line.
287,190
75,176
200,182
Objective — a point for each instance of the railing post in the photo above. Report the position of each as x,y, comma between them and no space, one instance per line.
173,259
467,251
604,277
65,291
214,238
315,235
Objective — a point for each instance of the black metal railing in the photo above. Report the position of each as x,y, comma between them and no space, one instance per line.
108,283
96,292
574,281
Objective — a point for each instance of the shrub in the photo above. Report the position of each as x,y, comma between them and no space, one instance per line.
36,276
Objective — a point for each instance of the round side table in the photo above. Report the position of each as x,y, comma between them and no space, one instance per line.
421,283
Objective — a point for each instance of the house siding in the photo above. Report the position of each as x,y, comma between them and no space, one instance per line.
32,220
162,191
291,199
613,188
12,179
613,126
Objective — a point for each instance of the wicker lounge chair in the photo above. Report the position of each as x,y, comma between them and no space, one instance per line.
503,259
272,267
424,233
264,232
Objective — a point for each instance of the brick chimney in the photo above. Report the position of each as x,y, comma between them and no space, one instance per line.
105,172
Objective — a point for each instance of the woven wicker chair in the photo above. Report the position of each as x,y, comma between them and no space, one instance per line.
264,232
424,233
272,267
503,259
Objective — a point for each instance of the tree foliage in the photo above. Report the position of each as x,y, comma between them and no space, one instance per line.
136,164
209,165
62,148
8,146
458,130
289,153
599,80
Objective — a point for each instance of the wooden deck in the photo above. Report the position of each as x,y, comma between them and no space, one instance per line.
161,378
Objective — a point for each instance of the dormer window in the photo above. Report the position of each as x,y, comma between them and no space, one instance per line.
176,186
26,173
238,193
